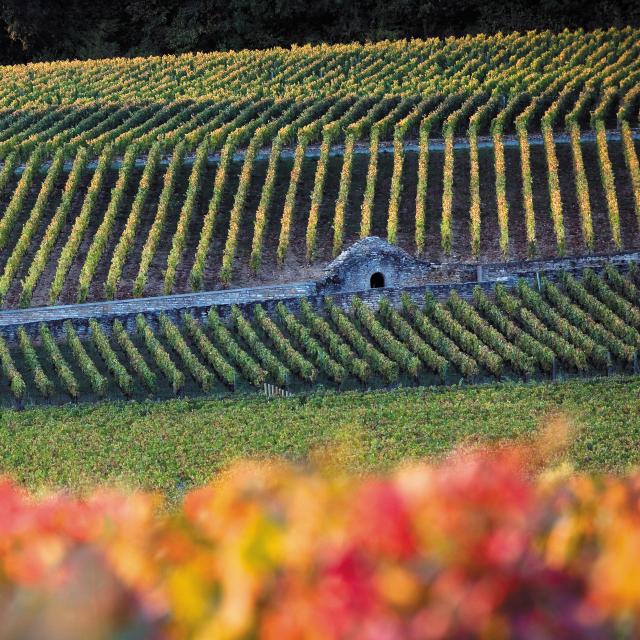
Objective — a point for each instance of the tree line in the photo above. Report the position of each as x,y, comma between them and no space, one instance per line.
61,29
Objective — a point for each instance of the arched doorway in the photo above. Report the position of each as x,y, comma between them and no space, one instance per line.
377,280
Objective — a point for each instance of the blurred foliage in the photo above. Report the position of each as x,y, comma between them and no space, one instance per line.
484,545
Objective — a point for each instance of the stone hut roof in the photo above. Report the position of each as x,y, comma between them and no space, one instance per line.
355,267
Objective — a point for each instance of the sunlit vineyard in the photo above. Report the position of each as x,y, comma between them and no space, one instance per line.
137,177
572,327
319,342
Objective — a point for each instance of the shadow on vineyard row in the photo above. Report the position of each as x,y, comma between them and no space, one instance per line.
573,327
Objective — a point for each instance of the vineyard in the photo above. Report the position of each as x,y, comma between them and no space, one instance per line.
566,328
391,255
138,177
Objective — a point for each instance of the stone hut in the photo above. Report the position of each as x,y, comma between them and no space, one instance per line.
373,263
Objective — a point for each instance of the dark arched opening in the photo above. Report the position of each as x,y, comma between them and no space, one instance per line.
377,280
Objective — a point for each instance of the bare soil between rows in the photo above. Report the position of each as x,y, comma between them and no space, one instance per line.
295,266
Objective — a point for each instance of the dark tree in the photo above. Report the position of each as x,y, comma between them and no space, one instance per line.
58,29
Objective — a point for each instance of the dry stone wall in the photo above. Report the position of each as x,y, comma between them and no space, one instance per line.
349,275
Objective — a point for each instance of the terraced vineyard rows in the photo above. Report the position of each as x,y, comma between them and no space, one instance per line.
137,177
586,326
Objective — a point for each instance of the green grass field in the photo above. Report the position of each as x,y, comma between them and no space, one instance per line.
176,444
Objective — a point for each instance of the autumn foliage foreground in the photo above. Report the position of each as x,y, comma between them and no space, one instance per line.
477,546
